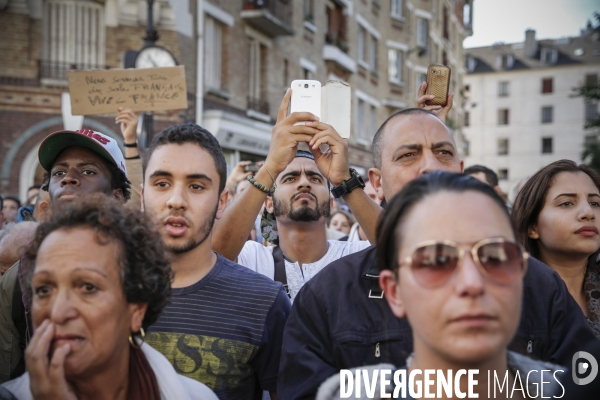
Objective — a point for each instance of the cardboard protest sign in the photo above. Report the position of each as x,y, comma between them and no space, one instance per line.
144,89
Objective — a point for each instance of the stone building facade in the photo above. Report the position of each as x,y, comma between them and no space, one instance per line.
254,49
41,40
246,53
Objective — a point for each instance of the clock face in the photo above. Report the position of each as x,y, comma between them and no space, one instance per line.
153,57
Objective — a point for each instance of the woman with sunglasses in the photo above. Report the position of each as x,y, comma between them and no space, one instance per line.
449,262
557,216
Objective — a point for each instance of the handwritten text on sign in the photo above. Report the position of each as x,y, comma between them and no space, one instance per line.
145,89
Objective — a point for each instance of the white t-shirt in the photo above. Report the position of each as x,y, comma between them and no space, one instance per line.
260,259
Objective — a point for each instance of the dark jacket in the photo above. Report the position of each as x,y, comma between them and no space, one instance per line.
12,326
339,320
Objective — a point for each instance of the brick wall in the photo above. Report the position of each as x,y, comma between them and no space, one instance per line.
24,102
16,122
19,46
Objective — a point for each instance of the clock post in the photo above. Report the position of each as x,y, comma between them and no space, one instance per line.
149,56
151,33
149,41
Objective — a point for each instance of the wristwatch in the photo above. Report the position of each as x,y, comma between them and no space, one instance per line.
348,185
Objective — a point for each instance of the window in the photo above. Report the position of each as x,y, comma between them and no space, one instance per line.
547,145
547,85
591,79
548,56
471,63
361,120
547,115
308,11
366,121
396,8
445,18
395,65
503,174
503,89
467,88
420,79
591,111
212,53
503,117
335,26
373,53
373,123
422,31
434,50
257,77
306,73
73,36
502,147
467,121
467,15
362,42
505,61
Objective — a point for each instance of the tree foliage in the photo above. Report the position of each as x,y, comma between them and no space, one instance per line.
591,148
590,91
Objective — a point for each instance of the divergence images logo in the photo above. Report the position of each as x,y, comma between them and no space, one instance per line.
580,367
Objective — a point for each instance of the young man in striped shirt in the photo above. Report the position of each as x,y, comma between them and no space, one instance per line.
224,325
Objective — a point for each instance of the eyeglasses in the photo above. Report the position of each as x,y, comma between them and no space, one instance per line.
433,262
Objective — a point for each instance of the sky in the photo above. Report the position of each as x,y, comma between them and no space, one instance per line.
506,20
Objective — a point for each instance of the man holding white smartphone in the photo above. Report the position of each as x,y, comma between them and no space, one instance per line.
295,187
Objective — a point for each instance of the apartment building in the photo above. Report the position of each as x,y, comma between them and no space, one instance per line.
520,114
240,56
253,49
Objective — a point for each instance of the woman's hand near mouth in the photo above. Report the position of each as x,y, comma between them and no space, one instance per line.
47,371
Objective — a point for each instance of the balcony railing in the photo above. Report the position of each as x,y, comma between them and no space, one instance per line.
336,41
259,105
57,70
274,17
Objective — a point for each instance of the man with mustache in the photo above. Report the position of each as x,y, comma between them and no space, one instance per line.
76,163
294,187
225,323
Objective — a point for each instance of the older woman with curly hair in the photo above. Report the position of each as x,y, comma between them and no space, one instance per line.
99,277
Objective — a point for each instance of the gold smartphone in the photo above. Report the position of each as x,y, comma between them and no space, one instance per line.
438,84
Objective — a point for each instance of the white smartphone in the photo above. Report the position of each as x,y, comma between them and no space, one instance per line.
306,97
335,107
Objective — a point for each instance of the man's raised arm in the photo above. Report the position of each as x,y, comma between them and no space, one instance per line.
333,163
232,230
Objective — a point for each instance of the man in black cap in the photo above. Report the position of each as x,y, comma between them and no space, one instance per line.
295,189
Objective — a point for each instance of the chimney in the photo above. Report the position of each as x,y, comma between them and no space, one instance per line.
530,44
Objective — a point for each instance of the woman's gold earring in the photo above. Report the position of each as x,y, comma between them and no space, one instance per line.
132,340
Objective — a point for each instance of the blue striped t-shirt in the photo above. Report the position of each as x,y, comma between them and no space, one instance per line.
225,331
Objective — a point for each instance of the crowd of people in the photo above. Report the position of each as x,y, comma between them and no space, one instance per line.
161,277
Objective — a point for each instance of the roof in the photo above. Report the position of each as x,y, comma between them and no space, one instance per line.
584,49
